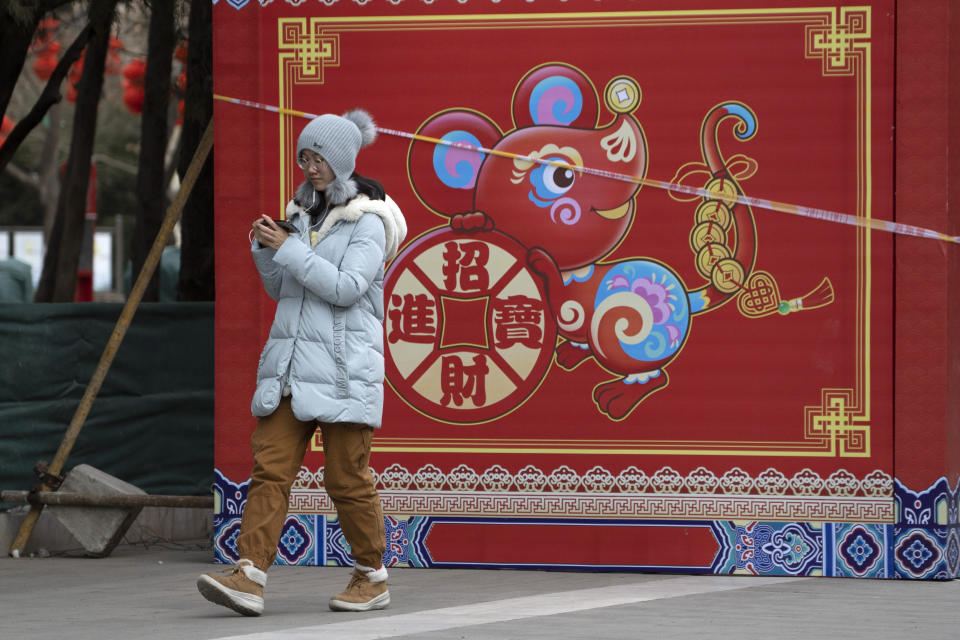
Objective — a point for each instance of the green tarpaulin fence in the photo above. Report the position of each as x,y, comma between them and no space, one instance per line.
152,422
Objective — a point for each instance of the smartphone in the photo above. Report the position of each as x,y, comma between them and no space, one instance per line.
286,225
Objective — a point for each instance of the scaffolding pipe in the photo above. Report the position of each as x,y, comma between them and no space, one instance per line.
70,499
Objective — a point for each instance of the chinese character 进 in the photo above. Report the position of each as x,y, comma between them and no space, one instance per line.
412,318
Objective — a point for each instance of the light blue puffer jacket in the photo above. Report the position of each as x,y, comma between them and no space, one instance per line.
327,333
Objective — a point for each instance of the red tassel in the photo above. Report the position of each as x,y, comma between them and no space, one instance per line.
819,297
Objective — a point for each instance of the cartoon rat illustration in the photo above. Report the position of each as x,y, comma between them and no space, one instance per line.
631,315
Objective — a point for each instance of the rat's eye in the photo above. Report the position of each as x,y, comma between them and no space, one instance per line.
550,181
558,179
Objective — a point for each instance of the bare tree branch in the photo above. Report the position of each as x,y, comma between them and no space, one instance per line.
24,177
18,23
48,97
126,167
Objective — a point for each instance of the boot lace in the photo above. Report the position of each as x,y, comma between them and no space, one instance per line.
355,580
233,570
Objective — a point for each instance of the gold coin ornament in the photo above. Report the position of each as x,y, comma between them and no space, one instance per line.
709,256
724,190
716,212
707,233
622,94
727,276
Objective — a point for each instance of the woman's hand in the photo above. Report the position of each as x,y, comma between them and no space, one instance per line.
267,233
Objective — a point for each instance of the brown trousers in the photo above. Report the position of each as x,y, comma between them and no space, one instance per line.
279,444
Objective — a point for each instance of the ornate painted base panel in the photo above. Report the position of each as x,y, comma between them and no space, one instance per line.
923,544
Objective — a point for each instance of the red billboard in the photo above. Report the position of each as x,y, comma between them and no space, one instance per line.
600,333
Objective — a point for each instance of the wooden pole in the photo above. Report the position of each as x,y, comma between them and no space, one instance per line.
119,331
71,499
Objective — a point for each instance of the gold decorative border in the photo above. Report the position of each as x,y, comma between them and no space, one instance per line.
601,506
840,37
304,51
597,492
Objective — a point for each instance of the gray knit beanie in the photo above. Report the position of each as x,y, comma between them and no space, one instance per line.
338,139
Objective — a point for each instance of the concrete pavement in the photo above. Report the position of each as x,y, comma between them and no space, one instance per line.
148,591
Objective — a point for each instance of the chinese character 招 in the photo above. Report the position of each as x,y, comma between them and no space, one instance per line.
465,264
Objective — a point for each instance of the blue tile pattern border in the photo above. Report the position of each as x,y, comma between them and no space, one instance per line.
773,548
858,550
923,544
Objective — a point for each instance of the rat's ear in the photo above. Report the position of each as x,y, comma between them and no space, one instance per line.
444,174
555,94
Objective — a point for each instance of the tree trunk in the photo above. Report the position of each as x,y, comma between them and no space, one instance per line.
50,173
151,192
59,277
196,225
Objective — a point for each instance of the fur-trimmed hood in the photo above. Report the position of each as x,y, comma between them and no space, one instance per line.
336,191
394,224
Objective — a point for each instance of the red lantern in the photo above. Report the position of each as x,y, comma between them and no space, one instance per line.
5,128
76,70
133,75
135,70
113,56
133,98
48,24
46,49
181,52
44,35
73,79
44,65
50,47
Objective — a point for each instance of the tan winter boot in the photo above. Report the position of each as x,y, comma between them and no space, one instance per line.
240,588
367,591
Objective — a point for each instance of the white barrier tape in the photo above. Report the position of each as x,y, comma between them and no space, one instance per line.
760,203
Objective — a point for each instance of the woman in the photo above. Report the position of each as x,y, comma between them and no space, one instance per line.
322,364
